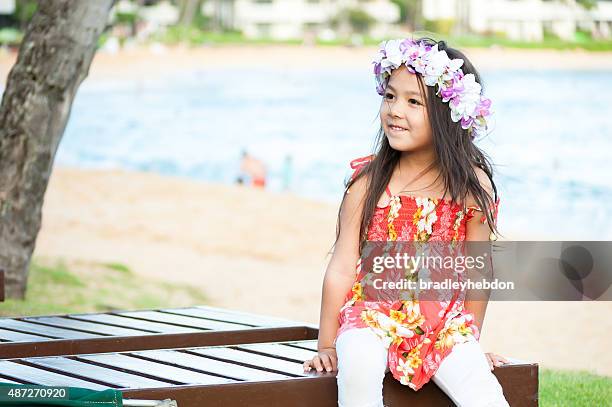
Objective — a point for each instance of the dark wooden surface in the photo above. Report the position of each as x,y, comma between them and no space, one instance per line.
263,374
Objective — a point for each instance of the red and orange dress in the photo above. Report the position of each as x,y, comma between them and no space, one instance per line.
419,335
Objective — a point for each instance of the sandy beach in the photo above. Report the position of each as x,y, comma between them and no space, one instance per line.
266,253
150,62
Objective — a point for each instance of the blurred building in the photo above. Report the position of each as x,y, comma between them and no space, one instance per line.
526,20
7,6
297,19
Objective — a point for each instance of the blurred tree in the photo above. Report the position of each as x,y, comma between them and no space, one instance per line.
24,10
411,12
188,11
359,20
587,4
54,58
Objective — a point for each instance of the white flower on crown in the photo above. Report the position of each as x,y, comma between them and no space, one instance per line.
454,65
394,56
436,67
465,105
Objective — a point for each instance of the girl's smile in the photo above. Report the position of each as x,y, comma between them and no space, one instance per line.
397,128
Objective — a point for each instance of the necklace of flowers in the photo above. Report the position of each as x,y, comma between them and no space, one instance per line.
462,92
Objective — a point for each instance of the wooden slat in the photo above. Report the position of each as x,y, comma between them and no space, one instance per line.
208,365
252,359
309,345
118,320
28,327
86,326
14,336
157,370
284,351
232,316
43,377
201,338
301,392
106,375
183,320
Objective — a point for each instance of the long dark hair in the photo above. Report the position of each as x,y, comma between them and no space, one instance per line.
456,153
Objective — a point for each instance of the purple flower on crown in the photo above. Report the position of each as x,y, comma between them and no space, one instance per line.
377,68
466,122
411,49
483,108
453,87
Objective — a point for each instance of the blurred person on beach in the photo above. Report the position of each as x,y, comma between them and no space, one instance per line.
287,172
427,181
252,171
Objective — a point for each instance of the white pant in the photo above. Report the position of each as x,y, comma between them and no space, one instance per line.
464,375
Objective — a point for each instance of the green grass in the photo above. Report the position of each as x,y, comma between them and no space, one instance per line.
122,268
57,287
10,36
586,44
576,389
195,37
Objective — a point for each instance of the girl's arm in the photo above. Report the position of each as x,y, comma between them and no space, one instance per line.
477,231
339,277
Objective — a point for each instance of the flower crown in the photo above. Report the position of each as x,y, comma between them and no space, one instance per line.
462,91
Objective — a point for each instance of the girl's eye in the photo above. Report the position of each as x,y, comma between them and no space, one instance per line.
413,102
388,96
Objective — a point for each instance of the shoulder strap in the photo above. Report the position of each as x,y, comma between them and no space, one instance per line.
483,218
388,191
358,163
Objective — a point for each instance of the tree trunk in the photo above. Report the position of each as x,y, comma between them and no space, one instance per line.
53,60
188,11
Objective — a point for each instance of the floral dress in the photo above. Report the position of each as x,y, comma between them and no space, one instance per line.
418,335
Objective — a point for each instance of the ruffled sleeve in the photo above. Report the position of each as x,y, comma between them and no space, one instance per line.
359,163
483,219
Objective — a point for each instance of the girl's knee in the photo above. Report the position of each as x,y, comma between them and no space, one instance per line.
362,361
361,349
465,377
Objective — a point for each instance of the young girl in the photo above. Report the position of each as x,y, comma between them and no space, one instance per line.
426,182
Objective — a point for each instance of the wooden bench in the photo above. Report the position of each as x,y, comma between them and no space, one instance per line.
141,330
255,374
198,356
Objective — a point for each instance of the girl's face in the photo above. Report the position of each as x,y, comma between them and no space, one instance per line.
403,113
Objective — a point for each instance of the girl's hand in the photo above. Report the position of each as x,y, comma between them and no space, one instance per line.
325,359
495,360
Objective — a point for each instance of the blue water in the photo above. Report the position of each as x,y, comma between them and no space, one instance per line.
552,141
